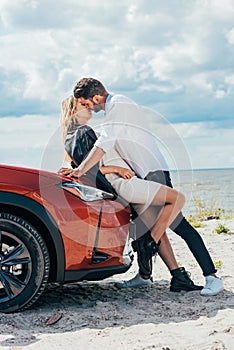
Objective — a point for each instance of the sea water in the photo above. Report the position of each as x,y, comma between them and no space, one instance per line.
212,187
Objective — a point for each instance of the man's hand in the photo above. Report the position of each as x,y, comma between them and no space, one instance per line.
75,173
68,172
65,171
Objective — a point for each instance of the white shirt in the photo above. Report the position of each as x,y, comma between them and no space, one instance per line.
125,129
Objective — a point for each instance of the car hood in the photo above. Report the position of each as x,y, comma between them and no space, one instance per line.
23,180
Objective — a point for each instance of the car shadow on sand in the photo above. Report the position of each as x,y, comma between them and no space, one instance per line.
97,305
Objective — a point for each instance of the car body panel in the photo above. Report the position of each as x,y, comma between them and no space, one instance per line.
77,229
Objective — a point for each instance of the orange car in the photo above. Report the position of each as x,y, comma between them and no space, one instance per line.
54,229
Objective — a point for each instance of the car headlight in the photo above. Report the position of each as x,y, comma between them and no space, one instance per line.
86,193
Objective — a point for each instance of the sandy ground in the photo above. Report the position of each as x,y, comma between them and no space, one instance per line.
99,316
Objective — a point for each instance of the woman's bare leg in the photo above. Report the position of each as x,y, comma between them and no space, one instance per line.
172,202
166,253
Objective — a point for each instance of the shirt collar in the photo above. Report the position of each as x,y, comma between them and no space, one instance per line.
109,97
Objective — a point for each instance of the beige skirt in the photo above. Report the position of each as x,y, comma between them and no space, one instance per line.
137,191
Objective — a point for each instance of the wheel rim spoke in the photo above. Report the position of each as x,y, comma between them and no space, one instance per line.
13,278
6,286
0,241
14,253
17,261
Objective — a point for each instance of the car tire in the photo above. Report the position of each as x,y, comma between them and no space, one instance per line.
24,263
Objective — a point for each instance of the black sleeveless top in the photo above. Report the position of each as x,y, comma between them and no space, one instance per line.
78,143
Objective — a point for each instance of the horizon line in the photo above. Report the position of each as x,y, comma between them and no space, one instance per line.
199,169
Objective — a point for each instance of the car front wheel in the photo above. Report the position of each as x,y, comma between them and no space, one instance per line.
24,263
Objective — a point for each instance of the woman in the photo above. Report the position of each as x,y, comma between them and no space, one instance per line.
145,197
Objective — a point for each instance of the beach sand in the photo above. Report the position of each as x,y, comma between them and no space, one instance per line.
96,315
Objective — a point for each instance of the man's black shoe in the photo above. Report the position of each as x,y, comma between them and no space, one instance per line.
181,281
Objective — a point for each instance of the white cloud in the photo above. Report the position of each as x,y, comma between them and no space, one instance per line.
174,56
219,94
209,144
29,139
35,141
230,36
201,81
230,79
20,131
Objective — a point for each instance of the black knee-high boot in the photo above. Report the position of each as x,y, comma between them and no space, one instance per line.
145,247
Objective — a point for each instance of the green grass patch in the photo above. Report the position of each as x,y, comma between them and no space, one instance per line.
195,222
222,229
207,210
218,263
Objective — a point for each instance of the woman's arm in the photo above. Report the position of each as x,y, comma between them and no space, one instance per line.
112,169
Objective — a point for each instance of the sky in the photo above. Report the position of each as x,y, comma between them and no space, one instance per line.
173,56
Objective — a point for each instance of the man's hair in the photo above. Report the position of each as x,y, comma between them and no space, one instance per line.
88,87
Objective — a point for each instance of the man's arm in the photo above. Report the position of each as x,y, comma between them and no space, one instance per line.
93,158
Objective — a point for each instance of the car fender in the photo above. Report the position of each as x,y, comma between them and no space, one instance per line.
23,203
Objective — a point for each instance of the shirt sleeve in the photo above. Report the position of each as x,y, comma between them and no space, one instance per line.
106,139
111,130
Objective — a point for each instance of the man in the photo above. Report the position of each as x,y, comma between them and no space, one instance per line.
124,130
150,200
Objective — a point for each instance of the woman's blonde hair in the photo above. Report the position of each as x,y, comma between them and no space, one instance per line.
67,115
68,119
